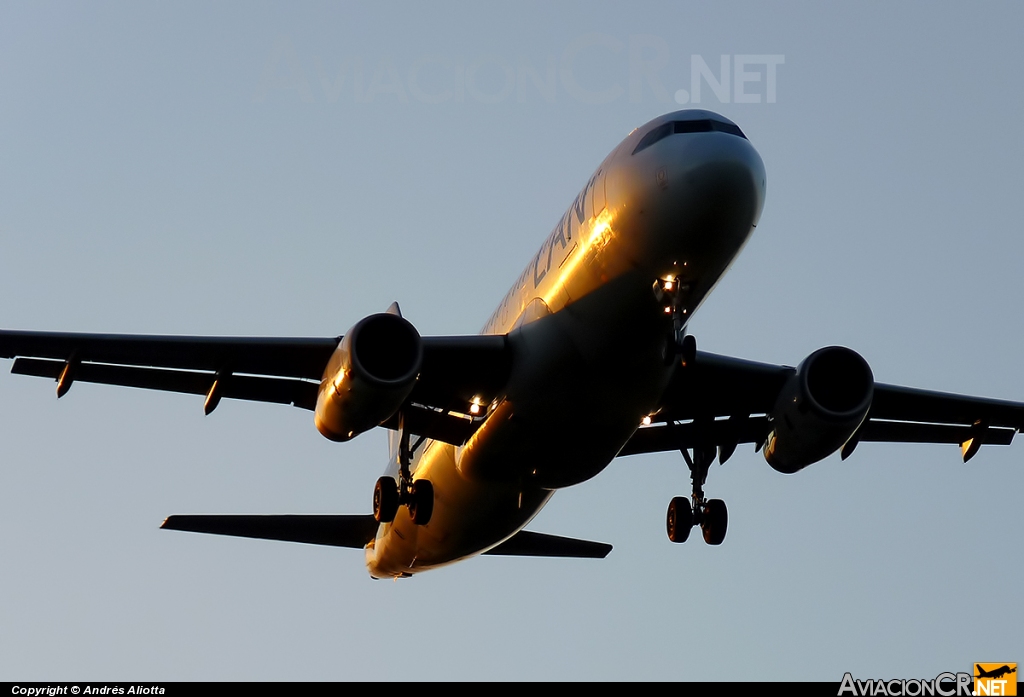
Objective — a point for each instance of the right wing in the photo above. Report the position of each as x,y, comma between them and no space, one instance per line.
260,369
455,370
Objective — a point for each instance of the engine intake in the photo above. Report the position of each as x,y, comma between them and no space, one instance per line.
819,408
369,376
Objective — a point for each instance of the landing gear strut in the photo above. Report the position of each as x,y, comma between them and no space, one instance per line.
710,514
417,494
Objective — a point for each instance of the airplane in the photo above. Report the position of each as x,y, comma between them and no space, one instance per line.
995,673
484,429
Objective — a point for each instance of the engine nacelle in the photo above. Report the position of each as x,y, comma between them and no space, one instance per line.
370,374
819,408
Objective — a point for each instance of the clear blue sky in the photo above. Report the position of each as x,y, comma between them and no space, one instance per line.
262,169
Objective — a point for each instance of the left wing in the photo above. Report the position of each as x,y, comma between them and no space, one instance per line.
719,402
455,370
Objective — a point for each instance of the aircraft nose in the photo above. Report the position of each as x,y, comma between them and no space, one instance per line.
702,194
718,173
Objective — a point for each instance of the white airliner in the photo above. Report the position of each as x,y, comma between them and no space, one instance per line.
486,428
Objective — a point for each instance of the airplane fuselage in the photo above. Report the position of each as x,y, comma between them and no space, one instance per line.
585,328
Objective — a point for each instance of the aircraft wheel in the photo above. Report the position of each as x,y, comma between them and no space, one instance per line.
422,505
385,500
716,520
679,519
689,349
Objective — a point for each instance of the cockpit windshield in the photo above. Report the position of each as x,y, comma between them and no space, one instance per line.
692,126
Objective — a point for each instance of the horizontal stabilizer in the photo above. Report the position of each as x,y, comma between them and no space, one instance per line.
534,544
336,530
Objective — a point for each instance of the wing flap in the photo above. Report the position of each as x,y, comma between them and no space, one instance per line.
353,531
277,390
281,357
909,432
436,424
675,436
910,404
535,544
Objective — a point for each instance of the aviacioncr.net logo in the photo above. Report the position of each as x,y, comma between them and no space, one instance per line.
995,679
943,685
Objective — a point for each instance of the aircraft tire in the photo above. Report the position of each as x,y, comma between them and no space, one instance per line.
679,519
716,520
421,508
385,500
689,349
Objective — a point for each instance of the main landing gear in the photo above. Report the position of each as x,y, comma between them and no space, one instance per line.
388,494
710,514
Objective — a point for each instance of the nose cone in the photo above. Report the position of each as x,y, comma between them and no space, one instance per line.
718,175
698,184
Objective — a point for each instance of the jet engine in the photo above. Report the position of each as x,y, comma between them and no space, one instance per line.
819,408
369,375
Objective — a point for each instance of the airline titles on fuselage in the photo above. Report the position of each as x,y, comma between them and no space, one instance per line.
565,235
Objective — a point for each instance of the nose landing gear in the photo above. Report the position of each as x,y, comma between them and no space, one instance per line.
389,494
681,348
671,294
710,514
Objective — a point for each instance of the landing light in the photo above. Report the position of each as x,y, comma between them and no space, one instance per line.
646,421
474,409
